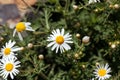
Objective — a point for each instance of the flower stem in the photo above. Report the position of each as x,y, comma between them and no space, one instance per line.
46,19
43,76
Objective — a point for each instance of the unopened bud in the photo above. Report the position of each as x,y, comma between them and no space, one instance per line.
97,64
22,48
1,38
117,42
41,56
76,56
113,46
83,66
96,10
111,6
116,6
75,7
85,39
78,35
30,45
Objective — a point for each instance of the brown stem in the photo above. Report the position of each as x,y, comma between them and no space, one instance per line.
43,76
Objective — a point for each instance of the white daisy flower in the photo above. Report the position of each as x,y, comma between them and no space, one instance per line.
102,72
93,1
20,27
59,40
9,49
8,66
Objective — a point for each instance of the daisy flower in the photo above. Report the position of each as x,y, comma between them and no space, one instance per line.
8,66
9,49
102,72
59,40
93,1
20,27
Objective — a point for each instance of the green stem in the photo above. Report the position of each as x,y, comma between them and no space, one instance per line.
46,20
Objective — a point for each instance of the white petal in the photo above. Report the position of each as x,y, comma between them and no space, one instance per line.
106,66
66,46
62,32
57,49
6,75
95,0
90,1
61,49
29,28
27,23
109,70
11,44
67,35
58,32
98,0
12,25
51,38
1,53
15,72
16,49
20,36
50,44
69,38
68,41
54,46
14,32
11,75
54,32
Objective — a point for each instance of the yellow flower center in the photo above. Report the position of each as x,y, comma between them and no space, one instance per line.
20,27
102,72
60,39
9,67
7,51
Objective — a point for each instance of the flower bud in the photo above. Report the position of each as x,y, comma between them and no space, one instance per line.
30,45
41,56
75,7
76,56
1,38
22,48
111,6
113,46
78,35
96,10
83,66
116,6
96,63
85,39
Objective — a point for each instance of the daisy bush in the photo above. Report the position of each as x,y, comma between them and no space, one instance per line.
63,40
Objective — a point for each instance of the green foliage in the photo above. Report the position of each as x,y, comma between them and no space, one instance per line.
99,21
